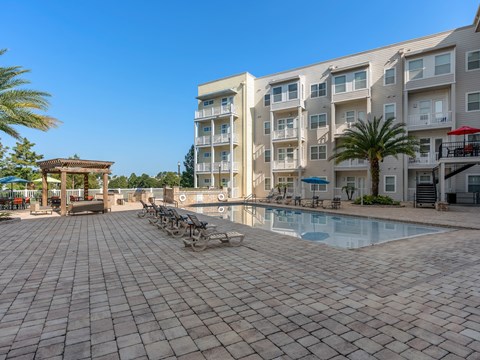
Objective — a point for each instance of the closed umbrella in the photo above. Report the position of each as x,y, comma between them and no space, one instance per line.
315,180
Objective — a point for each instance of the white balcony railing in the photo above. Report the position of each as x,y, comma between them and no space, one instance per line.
225,166
203,140
429,158
286,164
430,119
352,163
221,138
203,167
287,133
339,129
215,111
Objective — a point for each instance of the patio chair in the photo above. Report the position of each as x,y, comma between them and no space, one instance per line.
146,210
196,224
269,197
336,202
199,241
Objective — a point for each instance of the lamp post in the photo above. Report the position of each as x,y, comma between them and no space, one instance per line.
219,176
178,168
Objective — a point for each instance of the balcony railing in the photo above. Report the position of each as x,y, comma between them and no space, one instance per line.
352,163
426,158
215,111
284,134
203,140
443,118
221,138
286,164
203,167
225,166
459,149
339,129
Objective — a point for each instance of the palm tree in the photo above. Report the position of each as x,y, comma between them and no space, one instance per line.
373,141
17,106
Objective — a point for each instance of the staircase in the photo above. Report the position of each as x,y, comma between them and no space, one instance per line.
426,195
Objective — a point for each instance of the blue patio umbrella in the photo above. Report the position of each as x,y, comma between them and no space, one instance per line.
315,180
12,180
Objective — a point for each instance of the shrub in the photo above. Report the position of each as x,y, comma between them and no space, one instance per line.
376,200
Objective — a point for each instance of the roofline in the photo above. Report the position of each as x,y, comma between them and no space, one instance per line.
476,20
226,77
367,51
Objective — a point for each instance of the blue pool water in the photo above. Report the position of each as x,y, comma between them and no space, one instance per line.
332,229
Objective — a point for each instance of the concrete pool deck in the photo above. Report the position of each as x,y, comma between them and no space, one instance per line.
109,286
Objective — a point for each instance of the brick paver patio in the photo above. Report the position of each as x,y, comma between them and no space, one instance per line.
113,286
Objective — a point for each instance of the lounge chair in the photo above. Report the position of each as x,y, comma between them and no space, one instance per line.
203,234
196,225
270,196
336,202
146,210
178,225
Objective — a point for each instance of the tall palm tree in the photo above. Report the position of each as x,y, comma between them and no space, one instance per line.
373,141
17,105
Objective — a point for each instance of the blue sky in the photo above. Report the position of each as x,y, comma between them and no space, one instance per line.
123,74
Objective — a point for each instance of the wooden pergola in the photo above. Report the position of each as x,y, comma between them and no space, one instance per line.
73,166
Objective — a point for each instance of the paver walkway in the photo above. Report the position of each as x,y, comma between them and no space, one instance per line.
113,286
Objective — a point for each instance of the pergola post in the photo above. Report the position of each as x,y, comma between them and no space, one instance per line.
105,192
85,186
44,188
63,193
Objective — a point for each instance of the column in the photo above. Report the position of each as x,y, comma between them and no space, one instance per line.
195,157
212,154
442,182
272,150
85,186
44,189
232,134
105,192
63,193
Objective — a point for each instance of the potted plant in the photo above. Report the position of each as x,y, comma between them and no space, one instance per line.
349,190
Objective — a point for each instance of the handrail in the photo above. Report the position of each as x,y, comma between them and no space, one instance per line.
250,197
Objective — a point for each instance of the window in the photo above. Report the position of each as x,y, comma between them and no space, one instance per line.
318,121
318,152
389,77
208,103
288,181
206,181
388,111
442,64
361,116
350,181
268,184
277,94
225,128
473,60
317,90
227,101
319,187
360,80
206,155
350,116
207,129
340,84
224,155
473,183
415,69
285,154
390,182
266,100
292,91
473,101
268,156
285,123
266,127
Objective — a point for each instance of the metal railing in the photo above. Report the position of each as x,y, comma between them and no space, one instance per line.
459,149
250,198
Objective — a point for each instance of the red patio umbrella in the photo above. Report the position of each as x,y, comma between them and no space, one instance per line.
463,131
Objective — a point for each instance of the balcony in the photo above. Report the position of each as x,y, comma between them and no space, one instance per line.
285,134
430,81
288,104
423,159
225,166
223,139
354,163
203,140
218,111
340,129
437,120
351,95
203,167
287,164
460,150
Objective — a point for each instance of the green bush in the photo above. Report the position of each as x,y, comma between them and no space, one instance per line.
376,200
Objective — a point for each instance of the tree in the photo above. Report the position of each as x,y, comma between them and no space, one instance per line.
169,178
374,141
118,182
189,163
22,161
3,160
17,105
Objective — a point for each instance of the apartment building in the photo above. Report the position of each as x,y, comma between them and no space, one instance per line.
254,133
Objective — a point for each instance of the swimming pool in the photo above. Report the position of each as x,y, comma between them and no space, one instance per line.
336,230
